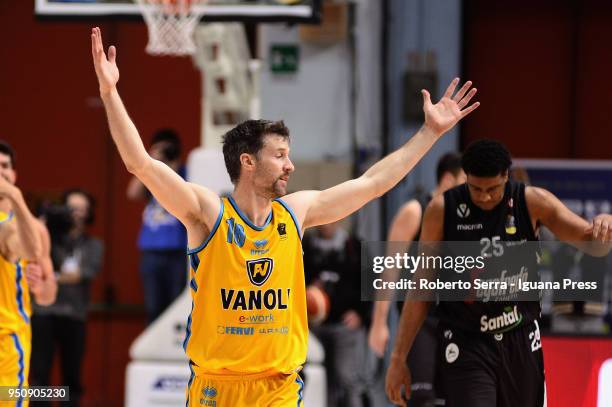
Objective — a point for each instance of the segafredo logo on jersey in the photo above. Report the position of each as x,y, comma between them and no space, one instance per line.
510,317
463,211
259,270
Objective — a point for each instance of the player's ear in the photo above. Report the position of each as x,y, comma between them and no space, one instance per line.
504,175
247,161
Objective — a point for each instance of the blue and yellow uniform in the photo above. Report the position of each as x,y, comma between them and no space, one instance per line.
248,328
15,333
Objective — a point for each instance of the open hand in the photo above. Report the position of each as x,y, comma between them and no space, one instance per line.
442,116
106,69
601,228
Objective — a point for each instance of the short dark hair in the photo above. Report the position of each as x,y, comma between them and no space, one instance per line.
449,162
6,149
170,136
91,211
248,137
486,158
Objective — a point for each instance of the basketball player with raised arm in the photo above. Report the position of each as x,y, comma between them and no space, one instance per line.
25,267
490,352
247,331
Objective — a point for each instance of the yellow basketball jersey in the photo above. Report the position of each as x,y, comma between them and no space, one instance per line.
249,304
15,307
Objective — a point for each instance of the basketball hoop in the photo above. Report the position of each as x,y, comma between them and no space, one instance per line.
171,24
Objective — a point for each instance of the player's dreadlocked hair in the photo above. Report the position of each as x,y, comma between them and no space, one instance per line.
248,137
486,158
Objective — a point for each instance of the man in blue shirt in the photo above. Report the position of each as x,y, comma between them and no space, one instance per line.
162,240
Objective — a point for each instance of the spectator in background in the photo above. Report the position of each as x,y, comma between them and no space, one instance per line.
163,240
332,261
77,258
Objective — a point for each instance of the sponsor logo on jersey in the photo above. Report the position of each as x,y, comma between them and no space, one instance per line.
463,211
448,334
470,226
280,330
260,247
235,330
452,352
508,319
260,244
282,231
251,300
208,393
510,225
259,270
256,319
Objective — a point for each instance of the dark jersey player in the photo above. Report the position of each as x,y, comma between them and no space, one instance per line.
490,353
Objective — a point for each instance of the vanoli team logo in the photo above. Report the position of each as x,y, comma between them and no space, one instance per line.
259,270
463,211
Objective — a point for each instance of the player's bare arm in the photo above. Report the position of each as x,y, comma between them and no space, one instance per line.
404,228
314,208
193,205
413,313
39,273
546,208
30,244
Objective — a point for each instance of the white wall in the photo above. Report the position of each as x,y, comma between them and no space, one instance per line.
314,102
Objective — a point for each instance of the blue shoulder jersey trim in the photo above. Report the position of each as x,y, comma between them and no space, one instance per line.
212,233
297,225
246,219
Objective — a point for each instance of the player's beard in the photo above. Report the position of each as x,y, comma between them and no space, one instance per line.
279,188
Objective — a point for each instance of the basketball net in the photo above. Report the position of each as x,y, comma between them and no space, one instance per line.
171,25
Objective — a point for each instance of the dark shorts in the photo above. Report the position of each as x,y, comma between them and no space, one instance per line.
492,370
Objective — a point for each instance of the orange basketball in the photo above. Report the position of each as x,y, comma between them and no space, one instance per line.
317,304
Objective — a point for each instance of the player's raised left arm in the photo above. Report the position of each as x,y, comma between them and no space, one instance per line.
321,207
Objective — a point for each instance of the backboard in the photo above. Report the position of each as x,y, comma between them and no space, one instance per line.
298,11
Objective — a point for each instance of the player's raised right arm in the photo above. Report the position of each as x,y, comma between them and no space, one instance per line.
189,203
